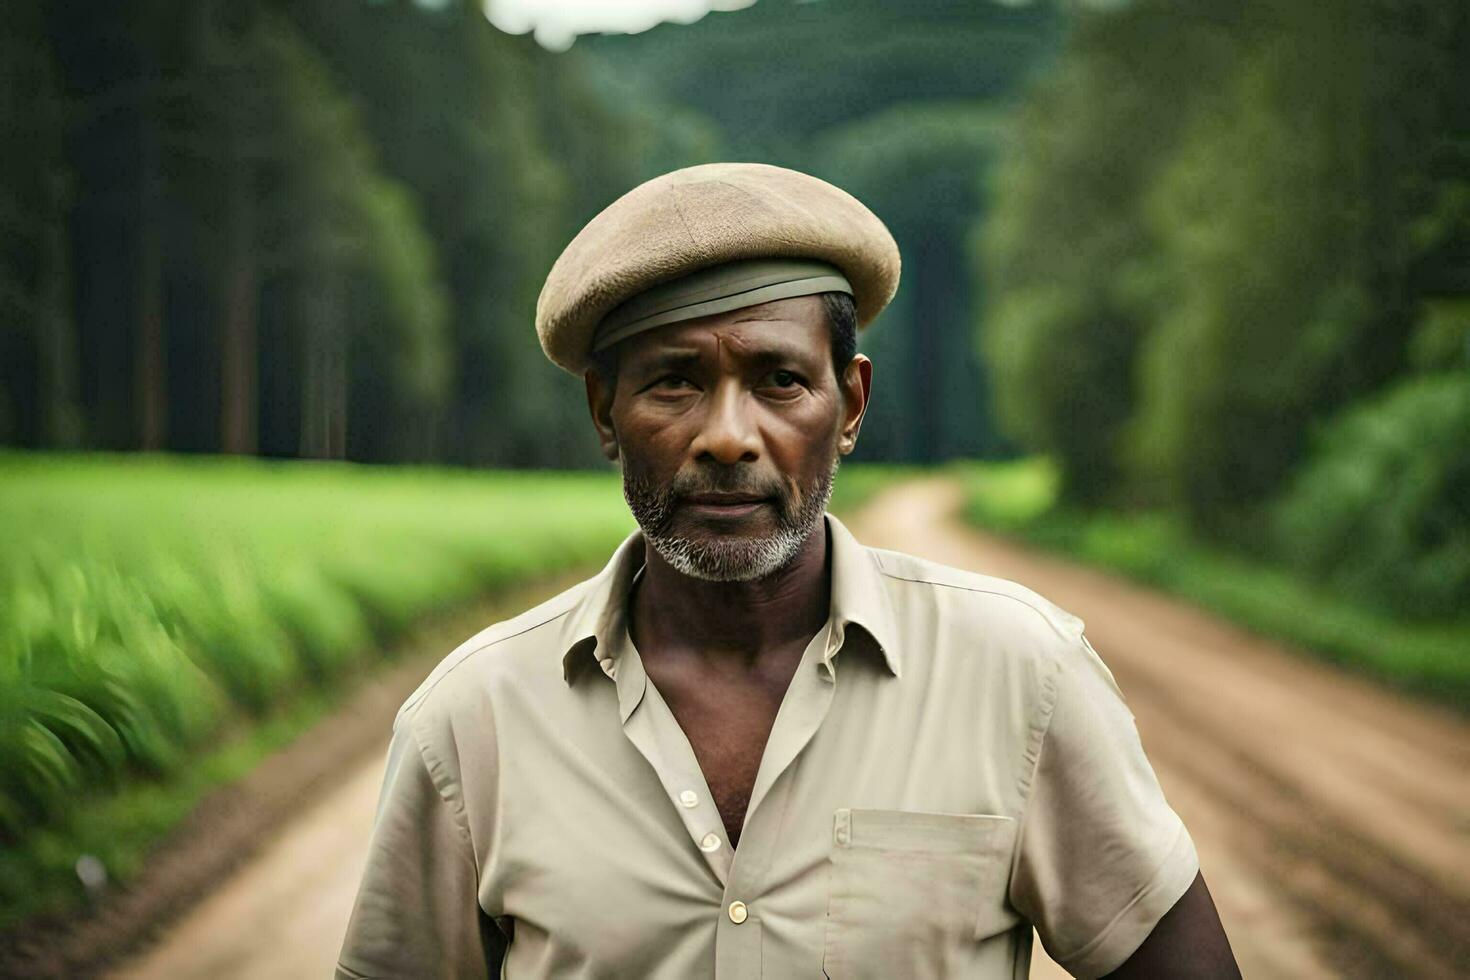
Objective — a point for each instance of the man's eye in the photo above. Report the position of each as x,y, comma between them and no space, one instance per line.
783,379
671,382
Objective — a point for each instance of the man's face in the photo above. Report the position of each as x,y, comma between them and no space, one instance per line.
729,429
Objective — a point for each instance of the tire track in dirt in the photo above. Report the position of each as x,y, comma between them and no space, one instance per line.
284,914
1384,917
1332,817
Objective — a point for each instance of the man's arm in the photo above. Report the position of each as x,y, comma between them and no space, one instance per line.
1105,869
417,912
1189,941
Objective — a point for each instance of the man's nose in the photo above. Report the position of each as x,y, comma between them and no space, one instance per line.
727,433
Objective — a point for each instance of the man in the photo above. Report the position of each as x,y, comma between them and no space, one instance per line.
752,747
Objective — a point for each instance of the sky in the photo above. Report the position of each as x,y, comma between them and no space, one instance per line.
556,23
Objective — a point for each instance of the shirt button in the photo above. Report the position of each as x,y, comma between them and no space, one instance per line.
710,843
689,798
738,912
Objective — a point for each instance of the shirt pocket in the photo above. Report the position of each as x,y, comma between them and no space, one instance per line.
912,894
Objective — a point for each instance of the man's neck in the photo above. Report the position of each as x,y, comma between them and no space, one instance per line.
733,622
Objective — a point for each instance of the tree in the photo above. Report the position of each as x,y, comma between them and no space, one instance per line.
920,167
449,102
1216,226
38,343
362,306
1065,252
1287,220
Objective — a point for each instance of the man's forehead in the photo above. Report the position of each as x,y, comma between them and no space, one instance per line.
794,326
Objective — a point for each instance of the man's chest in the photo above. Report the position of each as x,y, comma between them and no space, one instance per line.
727,723
877,827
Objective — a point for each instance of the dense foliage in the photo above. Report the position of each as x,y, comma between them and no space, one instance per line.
1382,510
1216,230
1163,242
1215,226
313,228
145,603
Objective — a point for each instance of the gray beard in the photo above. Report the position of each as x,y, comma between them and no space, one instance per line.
728,559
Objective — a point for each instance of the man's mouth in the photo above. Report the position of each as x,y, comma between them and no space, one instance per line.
727,505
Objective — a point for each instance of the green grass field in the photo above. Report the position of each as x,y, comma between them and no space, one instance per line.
148,605
1426,658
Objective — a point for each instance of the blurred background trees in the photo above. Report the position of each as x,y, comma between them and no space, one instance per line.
294,229
1213,231
319,228
1212,259
1228,264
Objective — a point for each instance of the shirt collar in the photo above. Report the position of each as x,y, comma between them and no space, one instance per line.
860,596
598,620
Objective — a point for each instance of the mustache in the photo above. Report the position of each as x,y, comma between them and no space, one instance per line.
724,481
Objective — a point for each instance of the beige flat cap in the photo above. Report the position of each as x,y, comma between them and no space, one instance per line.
712,238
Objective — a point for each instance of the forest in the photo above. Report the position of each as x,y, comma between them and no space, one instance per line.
1208,258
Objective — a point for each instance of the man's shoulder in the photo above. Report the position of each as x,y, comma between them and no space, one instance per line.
976,599
490,652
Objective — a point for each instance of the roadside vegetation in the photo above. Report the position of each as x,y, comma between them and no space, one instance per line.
150,606
857,483
1423,654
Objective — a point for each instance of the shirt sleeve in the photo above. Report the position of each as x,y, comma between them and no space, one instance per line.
417,912
1101,855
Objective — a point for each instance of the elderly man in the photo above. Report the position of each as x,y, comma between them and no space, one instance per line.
750,746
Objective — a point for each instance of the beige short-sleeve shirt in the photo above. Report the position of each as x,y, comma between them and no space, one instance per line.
951,765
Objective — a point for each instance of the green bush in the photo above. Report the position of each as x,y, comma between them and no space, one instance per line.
1382,510
1007,496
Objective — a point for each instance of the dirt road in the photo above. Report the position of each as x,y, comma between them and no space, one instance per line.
282,915
1332,818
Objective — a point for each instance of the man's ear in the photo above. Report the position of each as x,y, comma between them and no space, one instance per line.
857,385
599,403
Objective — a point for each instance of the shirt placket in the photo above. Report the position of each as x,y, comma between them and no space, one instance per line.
653,729
651,726
806,704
